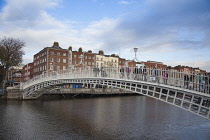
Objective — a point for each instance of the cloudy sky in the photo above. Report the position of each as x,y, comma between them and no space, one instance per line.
171,31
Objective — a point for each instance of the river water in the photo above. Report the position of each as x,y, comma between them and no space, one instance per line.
102,118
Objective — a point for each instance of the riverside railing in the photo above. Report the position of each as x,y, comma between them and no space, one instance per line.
192,81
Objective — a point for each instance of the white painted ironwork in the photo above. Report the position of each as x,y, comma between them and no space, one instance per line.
191,94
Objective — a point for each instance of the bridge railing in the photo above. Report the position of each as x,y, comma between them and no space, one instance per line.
191,81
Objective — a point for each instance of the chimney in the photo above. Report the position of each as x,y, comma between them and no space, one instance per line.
80,49
70,48
101,52
55,44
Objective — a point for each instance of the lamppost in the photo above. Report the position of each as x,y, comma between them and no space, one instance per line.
135,51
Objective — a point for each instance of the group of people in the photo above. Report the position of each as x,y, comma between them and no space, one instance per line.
98,71
139,73
197,81
190,81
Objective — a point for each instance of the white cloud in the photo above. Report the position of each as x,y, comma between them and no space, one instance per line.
124,2
29,21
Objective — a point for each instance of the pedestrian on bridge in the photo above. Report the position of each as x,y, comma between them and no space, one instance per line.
145,73
136,73
128,71
140,73
165,77
96,71
201,82
186,81
121,72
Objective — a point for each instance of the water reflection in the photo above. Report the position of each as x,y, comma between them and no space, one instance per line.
133,117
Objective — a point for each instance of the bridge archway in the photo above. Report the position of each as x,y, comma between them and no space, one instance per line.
189,100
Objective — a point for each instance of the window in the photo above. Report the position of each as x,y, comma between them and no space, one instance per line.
97,58
85,57
75,56
75,62
64,67
58,53
93,57
92,63
51,59
89,63
89,57
101,59
58,68
51,52
115,61
58,59
64,60
64,54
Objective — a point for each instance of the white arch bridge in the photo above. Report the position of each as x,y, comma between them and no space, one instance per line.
173,87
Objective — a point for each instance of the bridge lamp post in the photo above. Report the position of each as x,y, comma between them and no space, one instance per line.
135,51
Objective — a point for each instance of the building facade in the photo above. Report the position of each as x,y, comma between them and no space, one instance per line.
107,60
27,72
14,75
154,64
81,59
50,59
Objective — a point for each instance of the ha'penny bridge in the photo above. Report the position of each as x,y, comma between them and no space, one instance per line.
191,94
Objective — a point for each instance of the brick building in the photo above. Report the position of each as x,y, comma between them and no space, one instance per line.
130,63
27,72
50,59
81,59
187,69
122,62
152,64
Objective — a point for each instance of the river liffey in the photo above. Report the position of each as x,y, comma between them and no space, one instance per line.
101,118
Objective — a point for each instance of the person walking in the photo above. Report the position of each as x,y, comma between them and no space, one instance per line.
128,70
201,82
136,72
165,77
121,72
145,73
186,81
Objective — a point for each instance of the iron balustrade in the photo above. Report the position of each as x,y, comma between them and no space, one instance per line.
190,81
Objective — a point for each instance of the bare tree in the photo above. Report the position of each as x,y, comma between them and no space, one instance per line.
11,52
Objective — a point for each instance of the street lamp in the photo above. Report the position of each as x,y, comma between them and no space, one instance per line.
135,50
